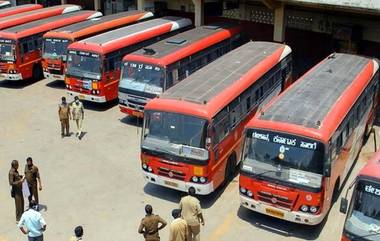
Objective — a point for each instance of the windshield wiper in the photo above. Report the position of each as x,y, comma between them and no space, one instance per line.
260,174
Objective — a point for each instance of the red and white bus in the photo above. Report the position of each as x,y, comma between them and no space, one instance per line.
27,17
21,46
192,133
299,148
363,218
19,9
93,67
5,4
148,72
55,42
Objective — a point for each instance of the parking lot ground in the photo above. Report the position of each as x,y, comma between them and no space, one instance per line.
97,181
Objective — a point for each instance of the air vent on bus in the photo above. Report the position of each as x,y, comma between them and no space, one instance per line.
149,51
212,27
176,41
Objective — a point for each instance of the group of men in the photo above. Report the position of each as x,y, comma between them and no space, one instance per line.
67,112
184,227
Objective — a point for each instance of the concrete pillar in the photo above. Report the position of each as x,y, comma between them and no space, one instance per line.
198,12
141,5
279,24
97,5
243,10
13,3
63,2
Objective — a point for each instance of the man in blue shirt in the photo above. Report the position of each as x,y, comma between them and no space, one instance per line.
32,223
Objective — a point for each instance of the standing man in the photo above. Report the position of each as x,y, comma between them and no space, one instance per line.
32,223
149,225
78,231
178,227
15,181
32,175
192,213
78,115
64,116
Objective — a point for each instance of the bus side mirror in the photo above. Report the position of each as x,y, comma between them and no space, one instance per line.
343,205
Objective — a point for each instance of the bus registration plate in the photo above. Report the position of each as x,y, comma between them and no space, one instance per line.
172,184
138,114
275,213
82,97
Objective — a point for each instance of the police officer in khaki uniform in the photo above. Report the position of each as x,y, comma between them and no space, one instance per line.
192,213
64,116
149,225
178,227
32,175
15,181
78,115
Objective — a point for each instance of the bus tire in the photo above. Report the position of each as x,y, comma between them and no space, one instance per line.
335,194
37,72
230,168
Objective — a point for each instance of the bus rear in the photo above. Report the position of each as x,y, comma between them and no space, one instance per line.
93,68
150,71
363,216
55,42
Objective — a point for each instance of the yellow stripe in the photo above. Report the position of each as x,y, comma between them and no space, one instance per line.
223,228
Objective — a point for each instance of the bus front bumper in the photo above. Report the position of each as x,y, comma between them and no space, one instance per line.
47,75
292,216
201,189
12,76
93,98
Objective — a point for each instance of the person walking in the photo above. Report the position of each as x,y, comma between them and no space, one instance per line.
32,223
32,176
78,231
64,116
178,227
15,181
151,224
191,211
78,115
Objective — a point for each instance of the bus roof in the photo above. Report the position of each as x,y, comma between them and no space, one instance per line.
26,17
372,168
317,103
184,44
19,9
115,39
47,24
96,25
210,89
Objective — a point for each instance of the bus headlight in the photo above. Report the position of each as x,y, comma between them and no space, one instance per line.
243,190
249,193
194,179
150,169
203,179
313,209
304,208
144,166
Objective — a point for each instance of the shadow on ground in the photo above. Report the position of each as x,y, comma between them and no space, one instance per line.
132,120
19,84
99,106
280,227
56,84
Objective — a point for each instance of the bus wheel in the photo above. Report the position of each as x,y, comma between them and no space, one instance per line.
230,168
37,72
335,194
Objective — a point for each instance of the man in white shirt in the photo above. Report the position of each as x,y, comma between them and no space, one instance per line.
32,223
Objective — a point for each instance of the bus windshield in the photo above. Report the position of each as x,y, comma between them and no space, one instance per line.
285,158
55,48
143,77
7,52
176,134
363,218
84,64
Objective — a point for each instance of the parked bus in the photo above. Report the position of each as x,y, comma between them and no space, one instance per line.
4,4
19,9
27,17
300,147
55,42
363,218
148,72
192,133
21,46
93,67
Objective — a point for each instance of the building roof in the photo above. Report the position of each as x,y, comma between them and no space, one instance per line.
362,5
98,24
313,106
47,24
208,90
184,44
112,40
